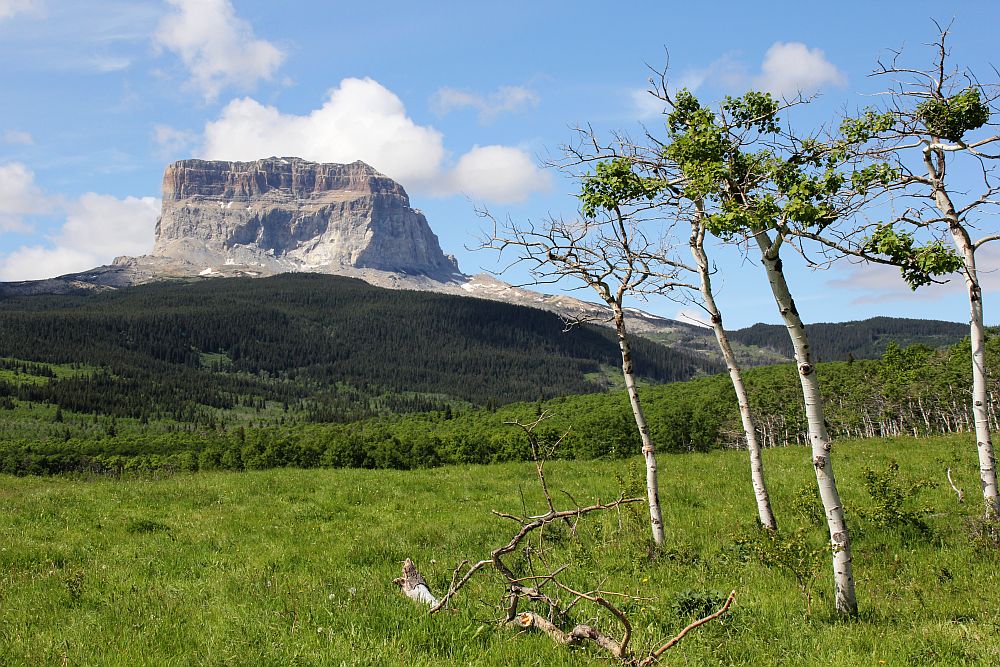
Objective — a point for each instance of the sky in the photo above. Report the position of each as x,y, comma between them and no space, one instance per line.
461,102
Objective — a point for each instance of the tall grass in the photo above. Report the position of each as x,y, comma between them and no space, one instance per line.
287,567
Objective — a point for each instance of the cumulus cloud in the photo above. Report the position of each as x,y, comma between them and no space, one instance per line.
363,120
505,99
19,196
218,48
792,67
97,228
787,69
497,173
10,8
360,120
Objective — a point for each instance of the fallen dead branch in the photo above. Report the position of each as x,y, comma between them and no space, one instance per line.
579,633
655,655
532,588
959,492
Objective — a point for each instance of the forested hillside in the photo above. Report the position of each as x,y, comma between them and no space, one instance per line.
865,339
334,348
915,391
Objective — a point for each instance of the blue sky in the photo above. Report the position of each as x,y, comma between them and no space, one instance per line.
459,101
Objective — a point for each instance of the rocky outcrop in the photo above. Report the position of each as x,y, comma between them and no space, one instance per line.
286,214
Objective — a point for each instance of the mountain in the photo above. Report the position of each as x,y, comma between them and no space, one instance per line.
280,215
287,214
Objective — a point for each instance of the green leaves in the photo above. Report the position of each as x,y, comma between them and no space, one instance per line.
880,174
699,147
615,184
918,263
753,110
753,189
868,126
952,117
890,495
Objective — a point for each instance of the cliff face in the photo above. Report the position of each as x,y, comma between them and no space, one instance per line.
290,214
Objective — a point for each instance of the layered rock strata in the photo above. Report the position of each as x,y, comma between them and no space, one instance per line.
290,214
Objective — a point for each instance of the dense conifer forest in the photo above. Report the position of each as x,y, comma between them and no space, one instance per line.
867,339
336,348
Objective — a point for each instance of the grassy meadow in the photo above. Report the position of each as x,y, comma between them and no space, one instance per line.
295,567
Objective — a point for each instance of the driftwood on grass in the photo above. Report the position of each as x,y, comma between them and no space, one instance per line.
413,585
655,655
580,632
532,589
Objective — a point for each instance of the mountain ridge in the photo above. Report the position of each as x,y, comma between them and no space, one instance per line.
278,215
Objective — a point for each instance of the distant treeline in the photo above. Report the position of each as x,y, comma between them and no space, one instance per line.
865,339
914,390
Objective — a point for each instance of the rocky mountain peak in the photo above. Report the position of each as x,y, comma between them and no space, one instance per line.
286,214
243,181
277,215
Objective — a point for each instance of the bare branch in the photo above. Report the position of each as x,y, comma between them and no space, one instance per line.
655,655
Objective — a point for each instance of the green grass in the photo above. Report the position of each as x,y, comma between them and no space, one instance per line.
61,371
288,567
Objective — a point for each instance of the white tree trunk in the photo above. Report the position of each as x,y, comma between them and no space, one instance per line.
764,511
977,337
648,451
843,571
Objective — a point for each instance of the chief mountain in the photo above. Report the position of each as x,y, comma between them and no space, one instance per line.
288,215
281,215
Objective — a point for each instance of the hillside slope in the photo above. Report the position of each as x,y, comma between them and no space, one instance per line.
325,343
864,339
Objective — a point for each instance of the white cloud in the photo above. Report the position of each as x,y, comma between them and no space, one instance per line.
363,120
97,229
18,137
107,226
787,69
646,104
172,141
498,173
10,8
218,48
19,196
792,67
505,99
878,283
104,64
39,262
360,120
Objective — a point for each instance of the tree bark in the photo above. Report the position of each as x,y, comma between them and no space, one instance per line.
648,451
765,513
977,338
843,574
